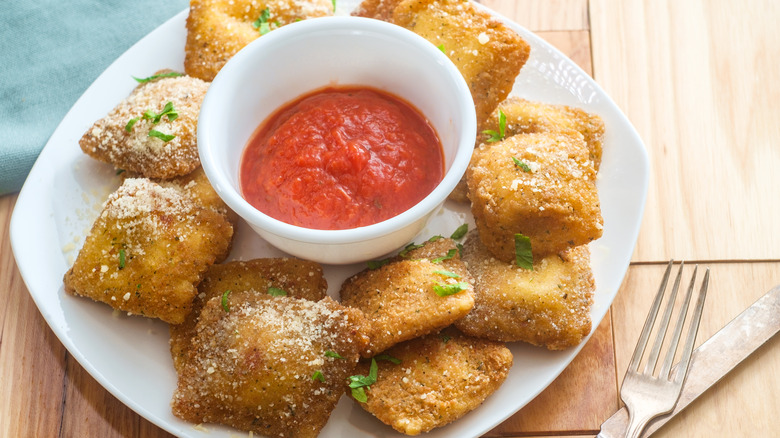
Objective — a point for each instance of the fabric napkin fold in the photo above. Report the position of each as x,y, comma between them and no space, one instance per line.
50,52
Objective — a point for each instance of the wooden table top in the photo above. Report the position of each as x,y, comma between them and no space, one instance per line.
700,81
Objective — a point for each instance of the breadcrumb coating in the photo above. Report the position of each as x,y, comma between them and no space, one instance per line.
218,29
297,278
548,306
148,250
127,145
526,117
440,378
539,185
260,364
400,300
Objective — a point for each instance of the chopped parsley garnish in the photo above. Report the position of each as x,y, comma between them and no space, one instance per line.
122,256
168,110
376,264
318,376
120,171
276,292
441,47
334,5
161,135
460,232
359,383
408,248
262,23
450,254
523,256
444,290
225,301
445,337
333,354
171,74
521,165
435,238
497,136
447,273
387,357
131,123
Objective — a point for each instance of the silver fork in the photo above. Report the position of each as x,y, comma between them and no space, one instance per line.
646,396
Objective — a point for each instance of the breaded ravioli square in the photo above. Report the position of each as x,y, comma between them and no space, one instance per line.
267,277
548,306
525,117
276,367
487,53
218,29
416,293
539,185
436,380
153,131
148,250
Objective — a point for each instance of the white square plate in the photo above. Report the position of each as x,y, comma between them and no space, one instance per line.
129,355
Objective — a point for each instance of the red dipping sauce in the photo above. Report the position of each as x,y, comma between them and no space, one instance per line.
341,157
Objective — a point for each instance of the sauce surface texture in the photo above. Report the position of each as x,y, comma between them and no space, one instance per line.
341,158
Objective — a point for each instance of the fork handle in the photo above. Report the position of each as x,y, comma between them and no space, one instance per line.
636,424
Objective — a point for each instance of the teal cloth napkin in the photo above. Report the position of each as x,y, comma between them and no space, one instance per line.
50,52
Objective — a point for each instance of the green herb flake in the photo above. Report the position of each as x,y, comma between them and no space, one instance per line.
521,165
334,5
120,171
445,337
318,376
262,23
494,136
359,394
171,74
450,254
444,290
225,301
131,123
441,47
387,357
435,238
460,232
333,354
161,135
408,248
447,273
168,110
358,383
523,256
276,292
376,264
122,259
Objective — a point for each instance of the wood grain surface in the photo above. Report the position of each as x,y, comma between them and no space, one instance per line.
699,79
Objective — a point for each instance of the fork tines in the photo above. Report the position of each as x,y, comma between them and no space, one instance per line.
652,362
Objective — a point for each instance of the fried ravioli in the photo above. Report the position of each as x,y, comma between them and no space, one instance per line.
488,54
440,378
525,117
539,185
153,131
296,278
148,250
400,299
218,29
268,365
548,306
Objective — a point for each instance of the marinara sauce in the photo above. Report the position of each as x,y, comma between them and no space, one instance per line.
341,157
